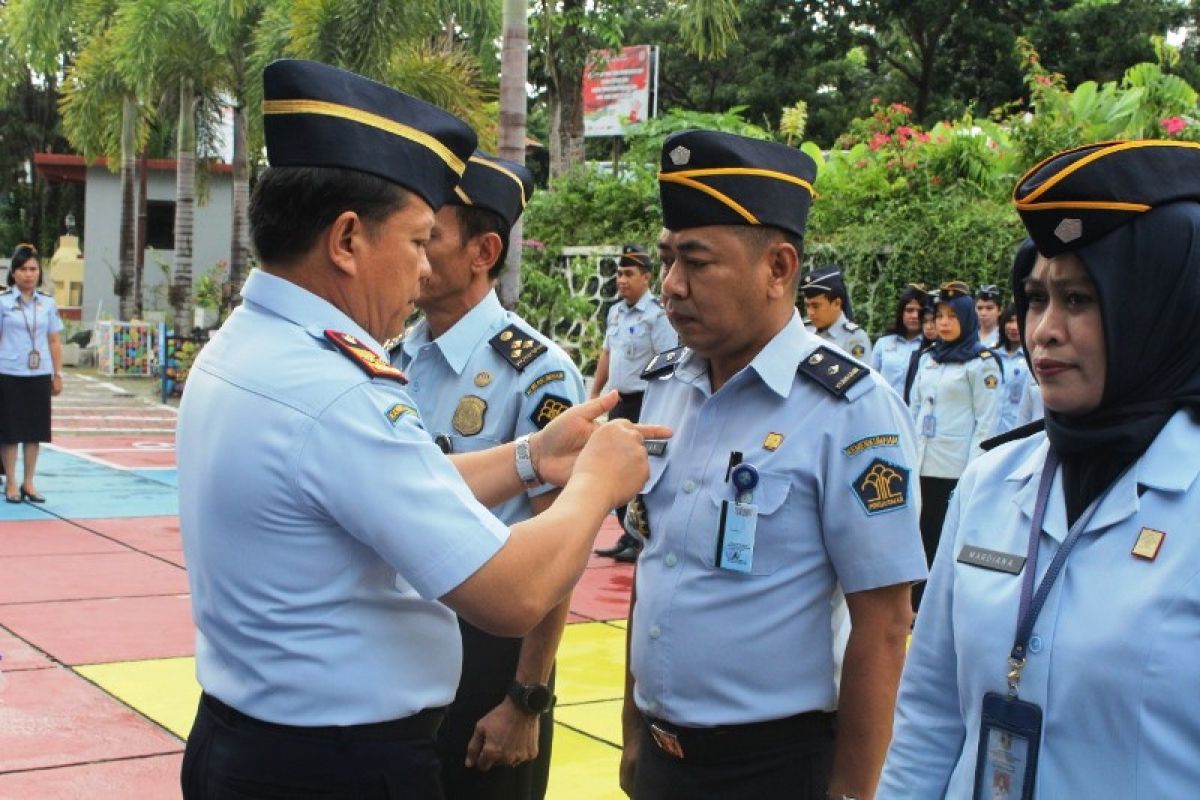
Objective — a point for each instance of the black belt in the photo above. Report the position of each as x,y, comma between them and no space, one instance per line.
629,396
422,725
725,741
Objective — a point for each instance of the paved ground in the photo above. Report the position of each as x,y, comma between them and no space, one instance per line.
97,692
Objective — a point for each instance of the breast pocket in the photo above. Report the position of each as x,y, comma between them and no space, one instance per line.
772,529
471,444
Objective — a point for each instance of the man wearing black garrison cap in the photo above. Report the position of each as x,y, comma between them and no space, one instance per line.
637,328
827,302
790,475
482,375
329,541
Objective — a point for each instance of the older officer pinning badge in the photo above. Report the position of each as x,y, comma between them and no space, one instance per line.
740,519
485,376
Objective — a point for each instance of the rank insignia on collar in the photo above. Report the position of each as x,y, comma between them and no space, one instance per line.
468,417
516,347
364,356
663,363
483,378
1148,543
551,406
772,441
858,351
881,487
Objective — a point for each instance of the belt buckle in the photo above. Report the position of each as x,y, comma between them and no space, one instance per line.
666,741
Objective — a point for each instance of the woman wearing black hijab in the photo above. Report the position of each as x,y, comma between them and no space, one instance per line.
1056,653
954,400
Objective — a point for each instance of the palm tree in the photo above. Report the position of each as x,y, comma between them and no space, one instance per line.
514,71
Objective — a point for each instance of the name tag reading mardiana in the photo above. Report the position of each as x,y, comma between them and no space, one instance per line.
991,559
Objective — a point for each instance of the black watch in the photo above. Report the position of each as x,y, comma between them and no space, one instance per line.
534,698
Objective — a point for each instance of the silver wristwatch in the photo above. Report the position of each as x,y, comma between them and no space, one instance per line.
524,462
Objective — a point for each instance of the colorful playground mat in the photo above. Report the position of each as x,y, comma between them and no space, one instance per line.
97,687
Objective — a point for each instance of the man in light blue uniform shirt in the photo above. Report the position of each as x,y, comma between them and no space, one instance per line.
791,474
329,542
483,376
636,329
827,303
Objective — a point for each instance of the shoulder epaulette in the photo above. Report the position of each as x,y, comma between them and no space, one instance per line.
517,347
1020,432
834,372
852,327
662,363
985,353
364,356
45,294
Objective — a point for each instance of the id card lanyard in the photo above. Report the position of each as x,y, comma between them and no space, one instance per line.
1032,601
35,358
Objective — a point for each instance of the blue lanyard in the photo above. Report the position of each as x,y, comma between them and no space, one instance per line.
1031,601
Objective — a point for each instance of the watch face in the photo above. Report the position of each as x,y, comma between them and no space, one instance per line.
537,698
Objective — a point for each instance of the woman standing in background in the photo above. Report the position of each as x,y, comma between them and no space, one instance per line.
892,352
30,370
1016,371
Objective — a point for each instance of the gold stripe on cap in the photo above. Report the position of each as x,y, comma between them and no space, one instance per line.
676,177
761,173
391,126
1113,147
1083,205
506,171
463,196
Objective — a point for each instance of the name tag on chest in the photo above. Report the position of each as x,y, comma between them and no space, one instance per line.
991,559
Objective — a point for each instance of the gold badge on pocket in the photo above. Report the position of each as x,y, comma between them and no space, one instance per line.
468,417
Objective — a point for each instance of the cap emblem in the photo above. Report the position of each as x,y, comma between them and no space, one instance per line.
1069,230
680,156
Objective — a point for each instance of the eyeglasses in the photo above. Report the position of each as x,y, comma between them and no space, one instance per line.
952,289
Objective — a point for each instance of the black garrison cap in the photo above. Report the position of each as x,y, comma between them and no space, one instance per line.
496,184
634,255
315,115
713,178
824,280
1077,196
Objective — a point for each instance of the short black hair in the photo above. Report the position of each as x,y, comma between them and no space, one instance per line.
292,206
759,237
475,221
23,253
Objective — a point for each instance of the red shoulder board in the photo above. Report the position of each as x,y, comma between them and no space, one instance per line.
364,356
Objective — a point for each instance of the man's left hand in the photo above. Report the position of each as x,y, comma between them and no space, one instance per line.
506,736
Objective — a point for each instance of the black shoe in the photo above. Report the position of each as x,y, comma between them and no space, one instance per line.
625,542
10,499
32,497
627,555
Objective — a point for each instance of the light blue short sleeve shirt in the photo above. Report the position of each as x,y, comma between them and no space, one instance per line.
26,327
890,357
470,394
714,647
1113,654
320,523
632,336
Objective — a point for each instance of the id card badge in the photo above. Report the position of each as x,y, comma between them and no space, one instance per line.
1009,734
929,426
35,359
737,544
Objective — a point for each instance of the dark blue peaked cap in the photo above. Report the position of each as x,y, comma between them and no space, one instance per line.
500,186
714,178
1077,196
315,115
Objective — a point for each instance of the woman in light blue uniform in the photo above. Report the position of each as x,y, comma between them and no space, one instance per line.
30,371
893,351
953,402
1056,653
1016,371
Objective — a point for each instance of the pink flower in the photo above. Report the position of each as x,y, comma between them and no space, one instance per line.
1044,80
903,109
1173,125
922,137
878,141
874,101
533,244
904,132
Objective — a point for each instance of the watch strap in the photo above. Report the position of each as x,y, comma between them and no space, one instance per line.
524,463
